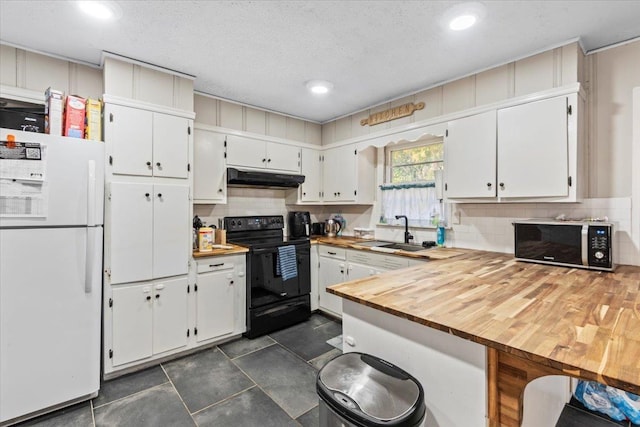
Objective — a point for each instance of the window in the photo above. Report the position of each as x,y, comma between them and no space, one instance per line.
415,163
409,187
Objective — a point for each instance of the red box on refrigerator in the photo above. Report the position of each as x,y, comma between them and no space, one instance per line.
74,116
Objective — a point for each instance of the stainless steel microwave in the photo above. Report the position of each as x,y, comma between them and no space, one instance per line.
568,243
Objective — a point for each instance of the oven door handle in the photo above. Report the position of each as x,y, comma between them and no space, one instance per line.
280,308
265,251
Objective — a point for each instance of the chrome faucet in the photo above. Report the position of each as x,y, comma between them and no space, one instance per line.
407,235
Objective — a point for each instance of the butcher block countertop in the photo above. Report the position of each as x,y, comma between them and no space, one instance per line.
583,323
349,242
229,250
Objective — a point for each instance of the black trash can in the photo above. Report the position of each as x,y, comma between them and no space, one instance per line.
357,389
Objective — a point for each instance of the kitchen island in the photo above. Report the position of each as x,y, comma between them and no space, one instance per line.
533,320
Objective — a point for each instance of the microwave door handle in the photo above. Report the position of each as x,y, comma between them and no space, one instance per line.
585,244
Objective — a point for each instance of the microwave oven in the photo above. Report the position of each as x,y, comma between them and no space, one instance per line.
581,244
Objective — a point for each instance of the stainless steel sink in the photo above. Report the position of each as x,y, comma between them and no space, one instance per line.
403,247
372,243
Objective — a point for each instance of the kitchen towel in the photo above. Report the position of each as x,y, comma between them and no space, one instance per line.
287,264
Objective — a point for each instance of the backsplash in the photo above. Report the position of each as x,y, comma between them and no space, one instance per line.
480,226
253,201
488,227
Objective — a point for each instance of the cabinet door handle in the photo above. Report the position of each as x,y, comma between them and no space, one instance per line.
269,161
264,160
219,190
146,195
488,185
331,253
159,195
157,296
216,265
158,164
502,185
149,164
148,297
231,282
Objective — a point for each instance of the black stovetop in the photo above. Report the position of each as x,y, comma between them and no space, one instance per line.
259,232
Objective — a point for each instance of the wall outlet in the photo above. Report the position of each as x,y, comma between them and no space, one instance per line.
455,217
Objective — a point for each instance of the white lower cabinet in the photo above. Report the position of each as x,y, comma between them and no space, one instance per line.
359,271
169,315
337,265
152,320
147,319
332,271
215,292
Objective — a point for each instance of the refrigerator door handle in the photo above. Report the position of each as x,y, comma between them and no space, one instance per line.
88,264
91,222
91,193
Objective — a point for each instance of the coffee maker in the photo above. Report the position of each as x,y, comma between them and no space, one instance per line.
299,224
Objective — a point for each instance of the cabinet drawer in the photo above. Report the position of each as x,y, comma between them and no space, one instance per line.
214,264
333,252
366,258
394,262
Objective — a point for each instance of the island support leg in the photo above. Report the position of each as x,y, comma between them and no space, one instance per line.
508,375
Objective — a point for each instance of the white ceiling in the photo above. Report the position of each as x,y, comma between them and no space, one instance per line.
262,52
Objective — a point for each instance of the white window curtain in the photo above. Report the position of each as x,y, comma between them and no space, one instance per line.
417,201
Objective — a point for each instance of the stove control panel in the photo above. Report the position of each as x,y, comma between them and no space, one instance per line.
252,223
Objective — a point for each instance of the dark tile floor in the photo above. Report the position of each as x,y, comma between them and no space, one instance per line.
267,381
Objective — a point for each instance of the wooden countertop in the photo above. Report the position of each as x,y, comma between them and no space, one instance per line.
349,242
234,249
585,323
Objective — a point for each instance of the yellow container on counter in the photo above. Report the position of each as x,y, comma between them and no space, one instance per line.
205,239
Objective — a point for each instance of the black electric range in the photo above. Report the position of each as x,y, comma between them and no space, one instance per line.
272,303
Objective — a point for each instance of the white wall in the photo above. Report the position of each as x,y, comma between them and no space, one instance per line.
615,72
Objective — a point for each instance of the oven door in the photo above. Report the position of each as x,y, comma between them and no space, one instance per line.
267,286
550,243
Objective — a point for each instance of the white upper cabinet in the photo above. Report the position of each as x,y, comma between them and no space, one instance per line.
349,175
470,157
258,154
170,145
145,143
209,168
533,150
524,153
129,132
311,189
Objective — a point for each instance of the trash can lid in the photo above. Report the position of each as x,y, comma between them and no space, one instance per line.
379,389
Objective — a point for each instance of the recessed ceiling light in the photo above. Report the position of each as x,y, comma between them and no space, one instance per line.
319,87
462,22
463,15
100,9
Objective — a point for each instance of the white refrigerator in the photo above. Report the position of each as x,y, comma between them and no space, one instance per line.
50,278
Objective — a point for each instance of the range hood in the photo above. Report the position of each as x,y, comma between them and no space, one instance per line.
246,178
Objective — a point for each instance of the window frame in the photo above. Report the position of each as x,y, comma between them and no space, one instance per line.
403,146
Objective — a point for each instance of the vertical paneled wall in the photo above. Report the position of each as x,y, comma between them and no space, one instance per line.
553,68
129,80
28,70
216,112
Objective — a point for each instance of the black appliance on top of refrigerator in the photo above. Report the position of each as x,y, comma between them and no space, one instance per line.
272,302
